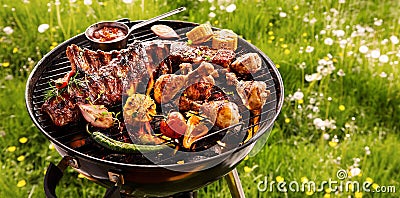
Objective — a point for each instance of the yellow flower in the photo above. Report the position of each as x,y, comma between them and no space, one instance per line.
23,140
341,54
287,120
279,179
246,158
216,22
301,101
52,47
270,32
287,51
284,46
334,60
327,195
15,50
5,64
270,24
21,183
296,7
21,158
369,180
54,43
304,179
11,149
351,187
247,169
304,34
333,144
326,58
277,66
309,192
81,176
271,38
342,107
328,190
358,195
51,146
281,39
375,186
249,41
269,41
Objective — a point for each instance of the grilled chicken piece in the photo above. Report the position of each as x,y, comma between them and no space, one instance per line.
168,85
62,109
222,113
247,64
254,94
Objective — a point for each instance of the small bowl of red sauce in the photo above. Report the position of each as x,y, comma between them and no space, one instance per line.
108,35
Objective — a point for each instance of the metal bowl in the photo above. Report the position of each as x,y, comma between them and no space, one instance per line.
115,44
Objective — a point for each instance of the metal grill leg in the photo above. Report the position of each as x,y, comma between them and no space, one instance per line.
234,184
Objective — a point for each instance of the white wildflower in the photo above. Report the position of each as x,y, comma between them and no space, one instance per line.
8,30
211,15
87,2
384,58
231,8
309,49
313,20
326,136
342,1
212,8
338,33
43,27
375,53
282,14
328,41
57,3
378,22
298,95
313,77
127,1
72,1
306,20
355,171
363,49
383,75
394,39
341,73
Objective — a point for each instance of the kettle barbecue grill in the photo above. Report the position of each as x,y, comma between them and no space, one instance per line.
142,179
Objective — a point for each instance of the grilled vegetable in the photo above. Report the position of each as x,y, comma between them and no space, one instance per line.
97,115
164,31
174,126
124,147
200,34
225,39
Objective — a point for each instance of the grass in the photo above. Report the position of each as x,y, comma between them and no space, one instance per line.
348,122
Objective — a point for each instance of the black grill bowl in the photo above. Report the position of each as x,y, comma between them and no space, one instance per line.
138,179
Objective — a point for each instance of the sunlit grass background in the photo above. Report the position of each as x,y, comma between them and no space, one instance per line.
339,60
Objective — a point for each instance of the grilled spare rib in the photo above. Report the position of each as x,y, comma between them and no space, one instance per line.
101,79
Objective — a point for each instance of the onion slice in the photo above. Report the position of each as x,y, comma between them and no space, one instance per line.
164,31
97,115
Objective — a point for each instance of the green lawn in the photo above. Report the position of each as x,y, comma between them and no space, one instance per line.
339,61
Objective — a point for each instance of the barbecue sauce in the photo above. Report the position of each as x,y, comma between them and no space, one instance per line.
108,33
